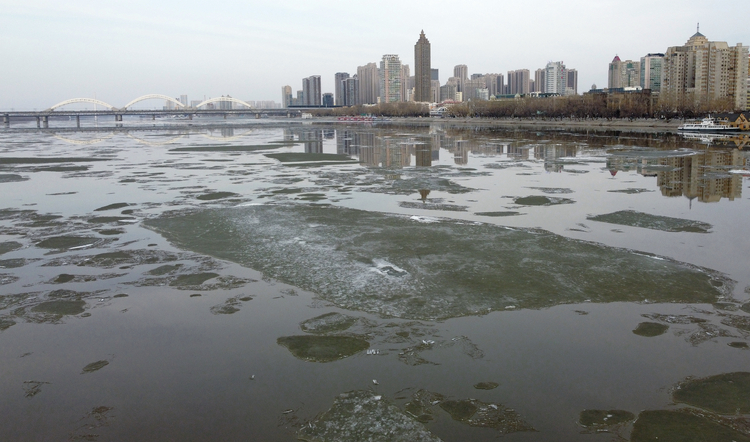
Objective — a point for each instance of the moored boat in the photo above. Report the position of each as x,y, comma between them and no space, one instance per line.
708,124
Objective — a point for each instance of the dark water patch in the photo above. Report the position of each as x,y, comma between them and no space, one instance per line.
745,307
432,206
67,242
322,348
630,191
675,319
9,246
6,278
12,263
655,222
540,200
60,169
364,416
63,278
498,214
128,180
47,160
116,258
192,279
476,413
94,366
486,385
679,426
11,178
60,307
62,193
215,196
6,322
312,197
32,388
164,270
553,190
120,295
287,190
245,148
604,418
335,252
739,344
110,232
112,207
110,219
650,329
301,157
231,305
328,323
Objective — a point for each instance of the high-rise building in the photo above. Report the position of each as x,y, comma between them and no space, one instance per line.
623,74
461,73
571,87
422,69
339,90
540,82
184,100
407,87
311,90
555,78
351,91
327,99
369,83
651,72
434,74
390,79
706,71
286,96
518,81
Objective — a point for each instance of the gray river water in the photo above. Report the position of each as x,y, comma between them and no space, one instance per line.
267,280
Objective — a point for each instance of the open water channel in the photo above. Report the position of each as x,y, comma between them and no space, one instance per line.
272,281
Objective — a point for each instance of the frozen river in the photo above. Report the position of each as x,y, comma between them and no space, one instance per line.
274,281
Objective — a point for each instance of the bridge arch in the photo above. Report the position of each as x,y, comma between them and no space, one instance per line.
217,99
82,100
152,96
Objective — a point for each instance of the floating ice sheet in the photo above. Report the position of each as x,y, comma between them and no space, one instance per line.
446,268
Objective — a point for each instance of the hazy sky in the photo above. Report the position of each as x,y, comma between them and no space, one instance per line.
60,49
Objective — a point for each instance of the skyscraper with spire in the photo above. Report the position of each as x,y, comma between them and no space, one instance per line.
422,69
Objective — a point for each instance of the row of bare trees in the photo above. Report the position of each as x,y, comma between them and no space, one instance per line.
587,106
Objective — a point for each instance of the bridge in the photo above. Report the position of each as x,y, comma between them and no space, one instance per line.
205,108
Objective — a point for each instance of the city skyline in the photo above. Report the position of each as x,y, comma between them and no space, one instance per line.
55,52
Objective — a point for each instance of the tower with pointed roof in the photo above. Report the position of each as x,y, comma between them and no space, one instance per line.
422,70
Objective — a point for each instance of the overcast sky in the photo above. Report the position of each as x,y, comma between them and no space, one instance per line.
60,49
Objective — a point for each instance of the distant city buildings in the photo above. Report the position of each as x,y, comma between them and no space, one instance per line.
624,74
422,70
286,96
556,78
706,72
339,87
369,83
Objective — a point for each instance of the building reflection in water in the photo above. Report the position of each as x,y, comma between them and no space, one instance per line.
704,176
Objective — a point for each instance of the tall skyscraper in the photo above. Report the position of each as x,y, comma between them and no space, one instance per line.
651,72
461,73
422,69
556,80
311,90
407,86
435,74
540,82
351,91
706,71
369,83
286,96
339,90
572,83
390,79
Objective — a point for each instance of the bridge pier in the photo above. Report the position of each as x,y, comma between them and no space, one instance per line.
225,116
38,122
6,120
118,117
190,116
45,121
78,121
153,117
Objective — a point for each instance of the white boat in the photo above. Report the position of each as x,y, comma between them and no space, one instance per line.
708,124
